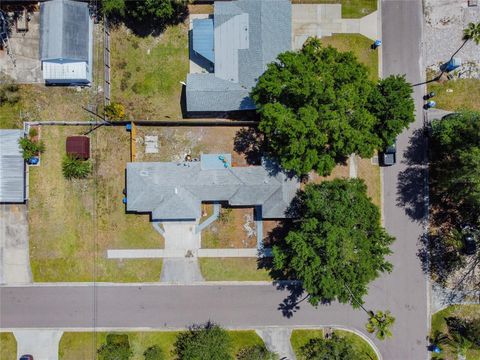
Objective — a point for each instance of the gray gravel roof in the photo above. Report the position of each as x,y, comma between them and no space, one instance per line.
12,167
170,190
249,34
64,30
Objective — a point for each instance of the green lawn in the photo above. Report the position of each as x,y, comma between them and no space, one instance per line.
301,337
8,346
147,71
232,269
359,45
74,223
82,346
439,324
351,9
457,94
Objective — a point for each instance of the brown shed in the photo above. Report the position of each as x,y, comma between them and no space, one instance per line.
78,146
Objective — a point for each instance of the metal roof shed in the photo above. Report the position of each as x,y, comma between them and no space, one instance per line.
12,167
66,42
78,146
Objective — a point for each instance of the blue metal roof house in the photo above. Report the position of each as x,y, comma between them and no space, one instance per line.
66,42
243,37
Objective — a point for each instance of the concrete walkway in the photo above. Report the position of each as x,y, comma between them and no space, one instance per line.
14,253
352,167
41,344
326,19
183,253
278,341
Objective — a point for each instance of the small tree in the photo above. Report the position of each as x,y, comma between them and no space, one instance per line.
338,244
206,341
256,352
115,111
117,347
154,353
335,348
31,148
74,168
471,32
380,323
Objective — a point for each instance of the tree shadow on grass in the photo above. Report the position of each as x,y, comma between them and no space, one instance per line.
148,24
249,142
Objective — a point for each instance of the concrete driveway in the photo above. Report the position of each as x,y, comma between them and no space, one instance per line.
14,253
41,344
181,236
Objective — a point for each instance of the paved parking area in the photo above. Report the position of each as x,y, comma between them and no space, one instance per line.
25,66
41,344
14,252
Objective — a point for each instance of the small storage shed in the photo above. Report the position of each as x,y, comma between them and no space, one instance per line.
12,168
66,42
78,146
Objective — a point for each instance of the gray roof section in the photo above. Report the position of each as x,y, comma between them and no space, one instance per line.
176,190
64,30
249,34
12,167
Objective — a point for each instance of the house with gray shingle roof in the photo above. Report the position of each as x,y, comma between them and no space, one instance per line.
66,42
247,36
175,191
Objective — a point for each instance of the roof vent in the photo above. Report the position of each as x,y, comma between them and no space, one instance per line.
176,190
144,173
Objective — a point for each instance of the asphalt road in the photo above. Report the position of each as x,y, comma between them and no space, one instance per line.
404,291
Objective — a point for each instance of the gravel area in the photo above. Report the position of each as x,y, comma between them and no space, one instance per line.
444,24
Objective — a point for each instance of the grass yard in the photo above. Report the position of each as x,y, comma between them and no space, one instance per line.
82,346
359,45
370,173
41,103
362,348
457,94
8,346
234,228
147,72
232,269
351,9
73,223
439,324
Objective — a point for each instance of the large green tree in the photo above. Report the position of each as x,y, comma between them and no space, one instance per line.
337,245
335,348
207,341
318,105
162,11
455,164
391,103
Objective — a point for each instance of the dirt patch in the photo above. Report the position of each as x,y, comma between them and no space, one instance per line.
174,143
235,228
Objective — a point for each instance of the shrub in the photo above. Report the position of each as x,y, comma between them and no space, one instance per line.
115,111
33,132
31,148
256,352
117,347
8,90
207,341
334,348
154,353
74,168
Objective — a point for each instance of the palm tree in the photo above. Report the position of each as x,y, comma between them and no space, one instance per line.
471,32
380,324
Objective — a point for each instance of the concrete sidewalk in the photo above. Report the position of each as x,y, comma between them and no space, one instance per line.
183,253
14,251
